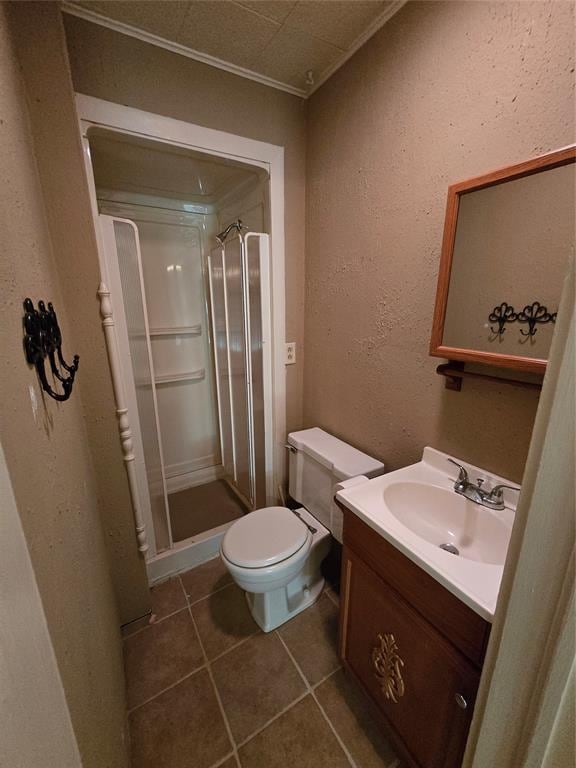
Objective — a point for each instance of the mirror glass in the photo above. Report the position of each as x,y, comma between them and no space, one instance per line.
511,249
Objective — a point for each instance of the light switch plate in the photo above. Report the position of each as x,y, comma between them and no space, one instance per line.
290,353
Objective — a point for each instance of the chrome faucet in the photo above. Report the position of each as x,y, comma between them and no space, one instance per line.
493,499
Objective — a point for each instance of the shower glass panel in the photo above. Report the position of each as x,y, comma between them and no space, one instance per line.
220,335
194,367
237,356
135,314
235,284
252,247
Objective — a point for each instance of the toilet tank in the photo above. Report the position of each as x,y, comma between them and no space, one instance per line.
318,461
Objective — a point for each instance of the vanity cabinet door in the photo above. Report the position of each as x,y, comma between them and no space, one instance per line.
422,684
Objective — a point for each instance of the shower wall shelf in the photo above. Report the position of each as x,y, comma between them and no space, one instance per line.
176,377
185,330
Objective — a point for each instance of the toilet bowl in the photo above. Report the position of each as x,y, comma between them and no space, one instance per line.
276,559
276,555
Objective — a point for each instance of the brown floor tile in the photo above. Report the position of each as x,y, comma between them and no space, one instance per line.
256,681
205,579
159,656
167,598
223,620
300,737
352,715
312,638
230,763
180,728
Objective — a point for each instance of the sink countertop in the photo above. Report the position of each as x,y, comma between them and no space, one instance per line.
476,583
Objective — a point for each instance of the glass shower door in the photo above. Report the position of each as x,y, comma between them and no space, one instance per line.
129,304
235,293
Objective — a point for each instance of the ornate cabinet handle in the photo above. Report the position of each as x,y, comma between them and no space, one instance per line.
388,667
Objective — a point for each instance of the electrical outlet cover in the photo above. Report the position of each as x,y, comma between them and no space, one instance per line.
290,353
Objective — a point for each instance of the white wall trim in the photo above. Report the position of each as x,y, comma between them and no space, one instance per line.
128,438
378,22
182,50
212,61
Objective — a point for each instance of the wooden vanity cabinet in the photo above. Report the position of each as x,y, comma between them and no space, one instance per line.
413,646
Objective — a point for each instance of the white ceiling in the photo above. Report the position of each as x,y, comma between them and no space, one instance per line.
279,40
130,164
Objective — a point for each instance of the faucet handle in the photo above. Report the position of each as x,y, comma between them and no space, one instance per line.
463,475
496,492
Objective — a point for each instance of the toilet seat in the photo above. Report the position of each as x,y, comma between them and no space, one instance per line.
264,537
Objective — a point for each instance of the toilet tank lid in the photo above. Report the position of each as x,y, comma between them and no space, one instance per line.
344,460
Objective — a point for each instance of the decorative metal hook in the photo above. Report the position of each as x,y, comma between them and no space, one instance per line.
42,339
534,314
502,314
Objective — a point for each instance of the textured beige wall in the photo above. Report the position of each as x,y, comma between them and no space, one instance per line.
127,71
33,712
42,52
445,91
47,453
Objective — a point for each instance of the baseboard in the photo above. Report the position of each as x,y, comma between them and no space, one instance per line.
186,554
179,482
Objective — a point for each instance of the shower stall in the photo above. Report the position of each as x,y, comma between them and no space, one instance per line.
184,237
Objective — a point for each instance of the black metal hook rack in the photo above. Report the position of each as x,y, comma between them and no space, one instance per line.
533,314
502,314
43,339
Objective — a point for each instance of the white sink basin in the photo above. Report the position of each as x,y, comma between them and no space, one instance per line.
417,510
443,517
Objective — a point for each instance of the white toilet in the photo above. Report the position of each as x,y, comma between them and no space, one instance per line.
275,554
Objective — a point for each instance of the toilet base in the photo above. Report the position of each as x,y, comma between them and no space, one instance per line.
272,609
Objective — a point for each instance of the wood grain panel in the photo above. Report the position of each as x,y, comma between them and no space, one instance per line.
468,631
428,725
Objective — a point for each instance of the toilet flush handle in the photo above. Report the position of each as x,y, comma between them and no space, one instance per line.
290,448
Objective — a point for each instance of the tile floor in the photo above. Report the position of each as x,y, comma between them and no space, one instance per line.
208,689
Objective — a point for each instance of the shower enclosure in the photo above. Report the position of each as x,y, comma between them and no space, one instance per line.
193,327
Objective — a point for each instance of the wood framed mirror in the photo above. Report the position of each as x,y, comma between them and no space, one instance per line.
507,238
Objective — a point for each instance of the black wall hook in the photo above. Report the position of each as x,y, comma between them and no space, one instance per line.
533,314
42,339
502,314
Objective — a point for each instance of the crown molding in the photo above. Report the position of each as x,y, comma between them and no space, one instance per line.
148,37
378,22
183,50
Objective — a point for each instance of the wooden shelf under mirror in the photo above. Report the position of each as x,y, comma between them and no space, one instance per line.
455,370
507,238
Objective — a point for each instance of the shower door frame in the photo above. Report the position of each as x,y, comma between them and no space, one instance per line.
264,271
98,114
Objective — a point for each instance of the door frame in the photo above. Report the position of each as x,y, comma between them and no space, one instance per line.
94,113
